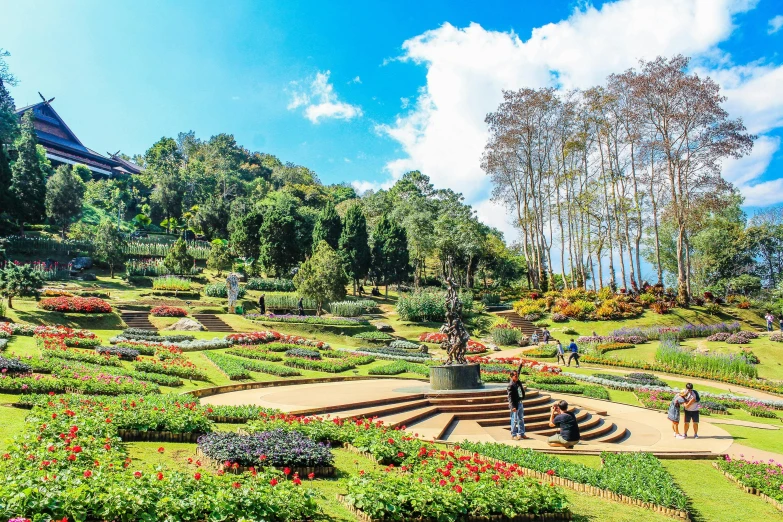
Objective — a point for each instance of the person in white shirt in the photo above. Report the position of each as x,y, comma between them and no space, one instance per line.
691,410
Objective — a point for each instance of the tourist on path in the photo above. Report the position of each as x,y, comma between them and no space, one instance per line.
262,304
674,414
546,336
692,407
516,394
534,339
560,352
781,323
569,427
770,318
300,306
574,349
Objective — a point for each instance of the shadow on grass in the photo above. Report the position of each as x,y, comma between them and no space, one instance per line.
91,321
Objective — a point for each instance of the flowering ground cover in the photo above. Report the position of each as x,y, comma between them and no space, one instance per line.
328,365
168,311
308,319
270,336
81,305
767,476
69,465
179,367
277,448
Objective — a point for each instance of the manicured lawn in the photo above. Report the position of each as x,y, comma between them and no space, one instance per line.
12,420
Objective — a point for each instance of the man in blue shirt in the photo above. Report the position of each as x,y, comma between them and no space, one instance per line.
574,349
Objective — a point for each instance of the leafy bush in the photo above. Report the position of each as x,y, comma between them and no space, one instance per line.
570,331
490,299
764,476
712,308
256,365
720,336
374,336
288,302
389,350
737,338
186,371
256,353
271,285
168,311
404,345
170,282
277,448
660,308
559,318
505,335
13,366
80,305
776,337
647,299
219,290
427,305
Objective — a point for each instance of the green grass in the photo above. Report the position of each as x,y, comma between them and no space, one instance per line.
766,440
12,420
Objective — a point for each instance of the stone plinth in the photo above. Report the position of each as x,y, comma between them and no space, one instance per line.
455,377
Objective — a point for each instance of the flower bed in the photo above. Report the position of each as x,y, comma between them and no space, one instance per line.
505,335
307,319
13,367
256,353
96,480
196,345
270,285
669,353
680,332
126,354
133,334
544,352
473,347
219,290
374,336
758,477
80,305
352,308
452,486
330,365
404,345
398,367
382,351
168,311
277,448
302,352
636,475
170,282
271,336
268,368
611,339
184,369
517,362
90,357
93,384
230,366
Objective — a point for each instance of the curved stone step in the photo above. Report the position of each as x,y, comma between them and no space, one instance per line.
617,434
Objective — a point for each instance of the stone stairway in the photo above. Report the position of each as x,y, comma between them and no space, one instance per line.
134,319
213,323
476,415
527,327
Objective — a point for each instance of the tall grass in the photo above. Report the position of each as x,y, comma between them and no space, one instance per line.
271,285
671,354
428,305
287,302
678,332
352,308
145,267
170,282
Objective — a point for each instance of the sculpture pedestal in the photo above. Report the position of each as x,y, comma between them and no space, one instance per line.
456,377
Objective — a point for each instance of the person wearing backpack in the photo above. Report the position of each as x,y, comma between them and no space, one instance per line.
692,407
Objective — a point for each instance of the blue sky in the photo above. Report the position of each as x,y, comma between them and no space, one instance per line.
363,91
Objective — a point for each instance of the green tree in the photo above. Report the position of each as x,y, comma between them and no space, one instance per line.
390,257
163,162
19,281
9,128
142,221
354,245
109,245
327,227
322,278
177,259
244,236
83,171
219,256
64,196
280,248
28,181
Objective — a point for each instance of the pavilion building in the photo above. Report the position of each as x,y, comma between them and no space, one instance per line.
63,147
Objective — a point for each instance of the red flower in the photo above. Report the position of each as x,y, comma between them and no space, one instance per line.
400,454
287,471
160,476
237,485
550,472
107,447
71,457
87,474
197,476
77,449
161,450
311,476
442,482
297,481
458,488
137,474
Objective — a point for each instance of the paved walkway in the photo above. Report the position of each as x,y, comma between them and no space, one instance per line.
650,430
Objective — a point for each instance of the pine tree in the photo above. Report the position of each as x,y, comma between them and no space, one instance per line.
327,227
390,257
243,234
109,245
9,127
354,245
64,195
178,260
322,278
28,182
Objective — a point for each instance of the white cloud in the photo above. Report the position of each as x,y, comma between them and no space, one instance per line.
404,102
356,79
745,171
320,100
775,24
347,160
443,133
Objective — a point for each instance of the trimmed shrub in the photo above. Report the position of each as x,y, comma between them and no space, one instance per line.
505,335
374,336
270,285
404,345
220,290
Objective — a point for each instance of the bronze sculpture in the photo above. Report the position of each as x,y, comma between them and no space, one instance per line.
457,337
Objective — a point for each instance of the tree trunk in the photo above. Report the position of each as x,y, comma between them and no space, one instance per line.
682,276
10,303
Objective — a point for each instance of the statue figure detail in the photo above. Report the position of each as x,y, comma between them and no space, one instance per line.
232,288
456,342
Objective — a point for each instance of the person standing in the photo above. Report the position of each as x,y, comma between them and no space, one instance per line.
516,394
574,349
546,336
692,407
300,306
262,304
560,352
561,418
770,318
781,323
674,414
